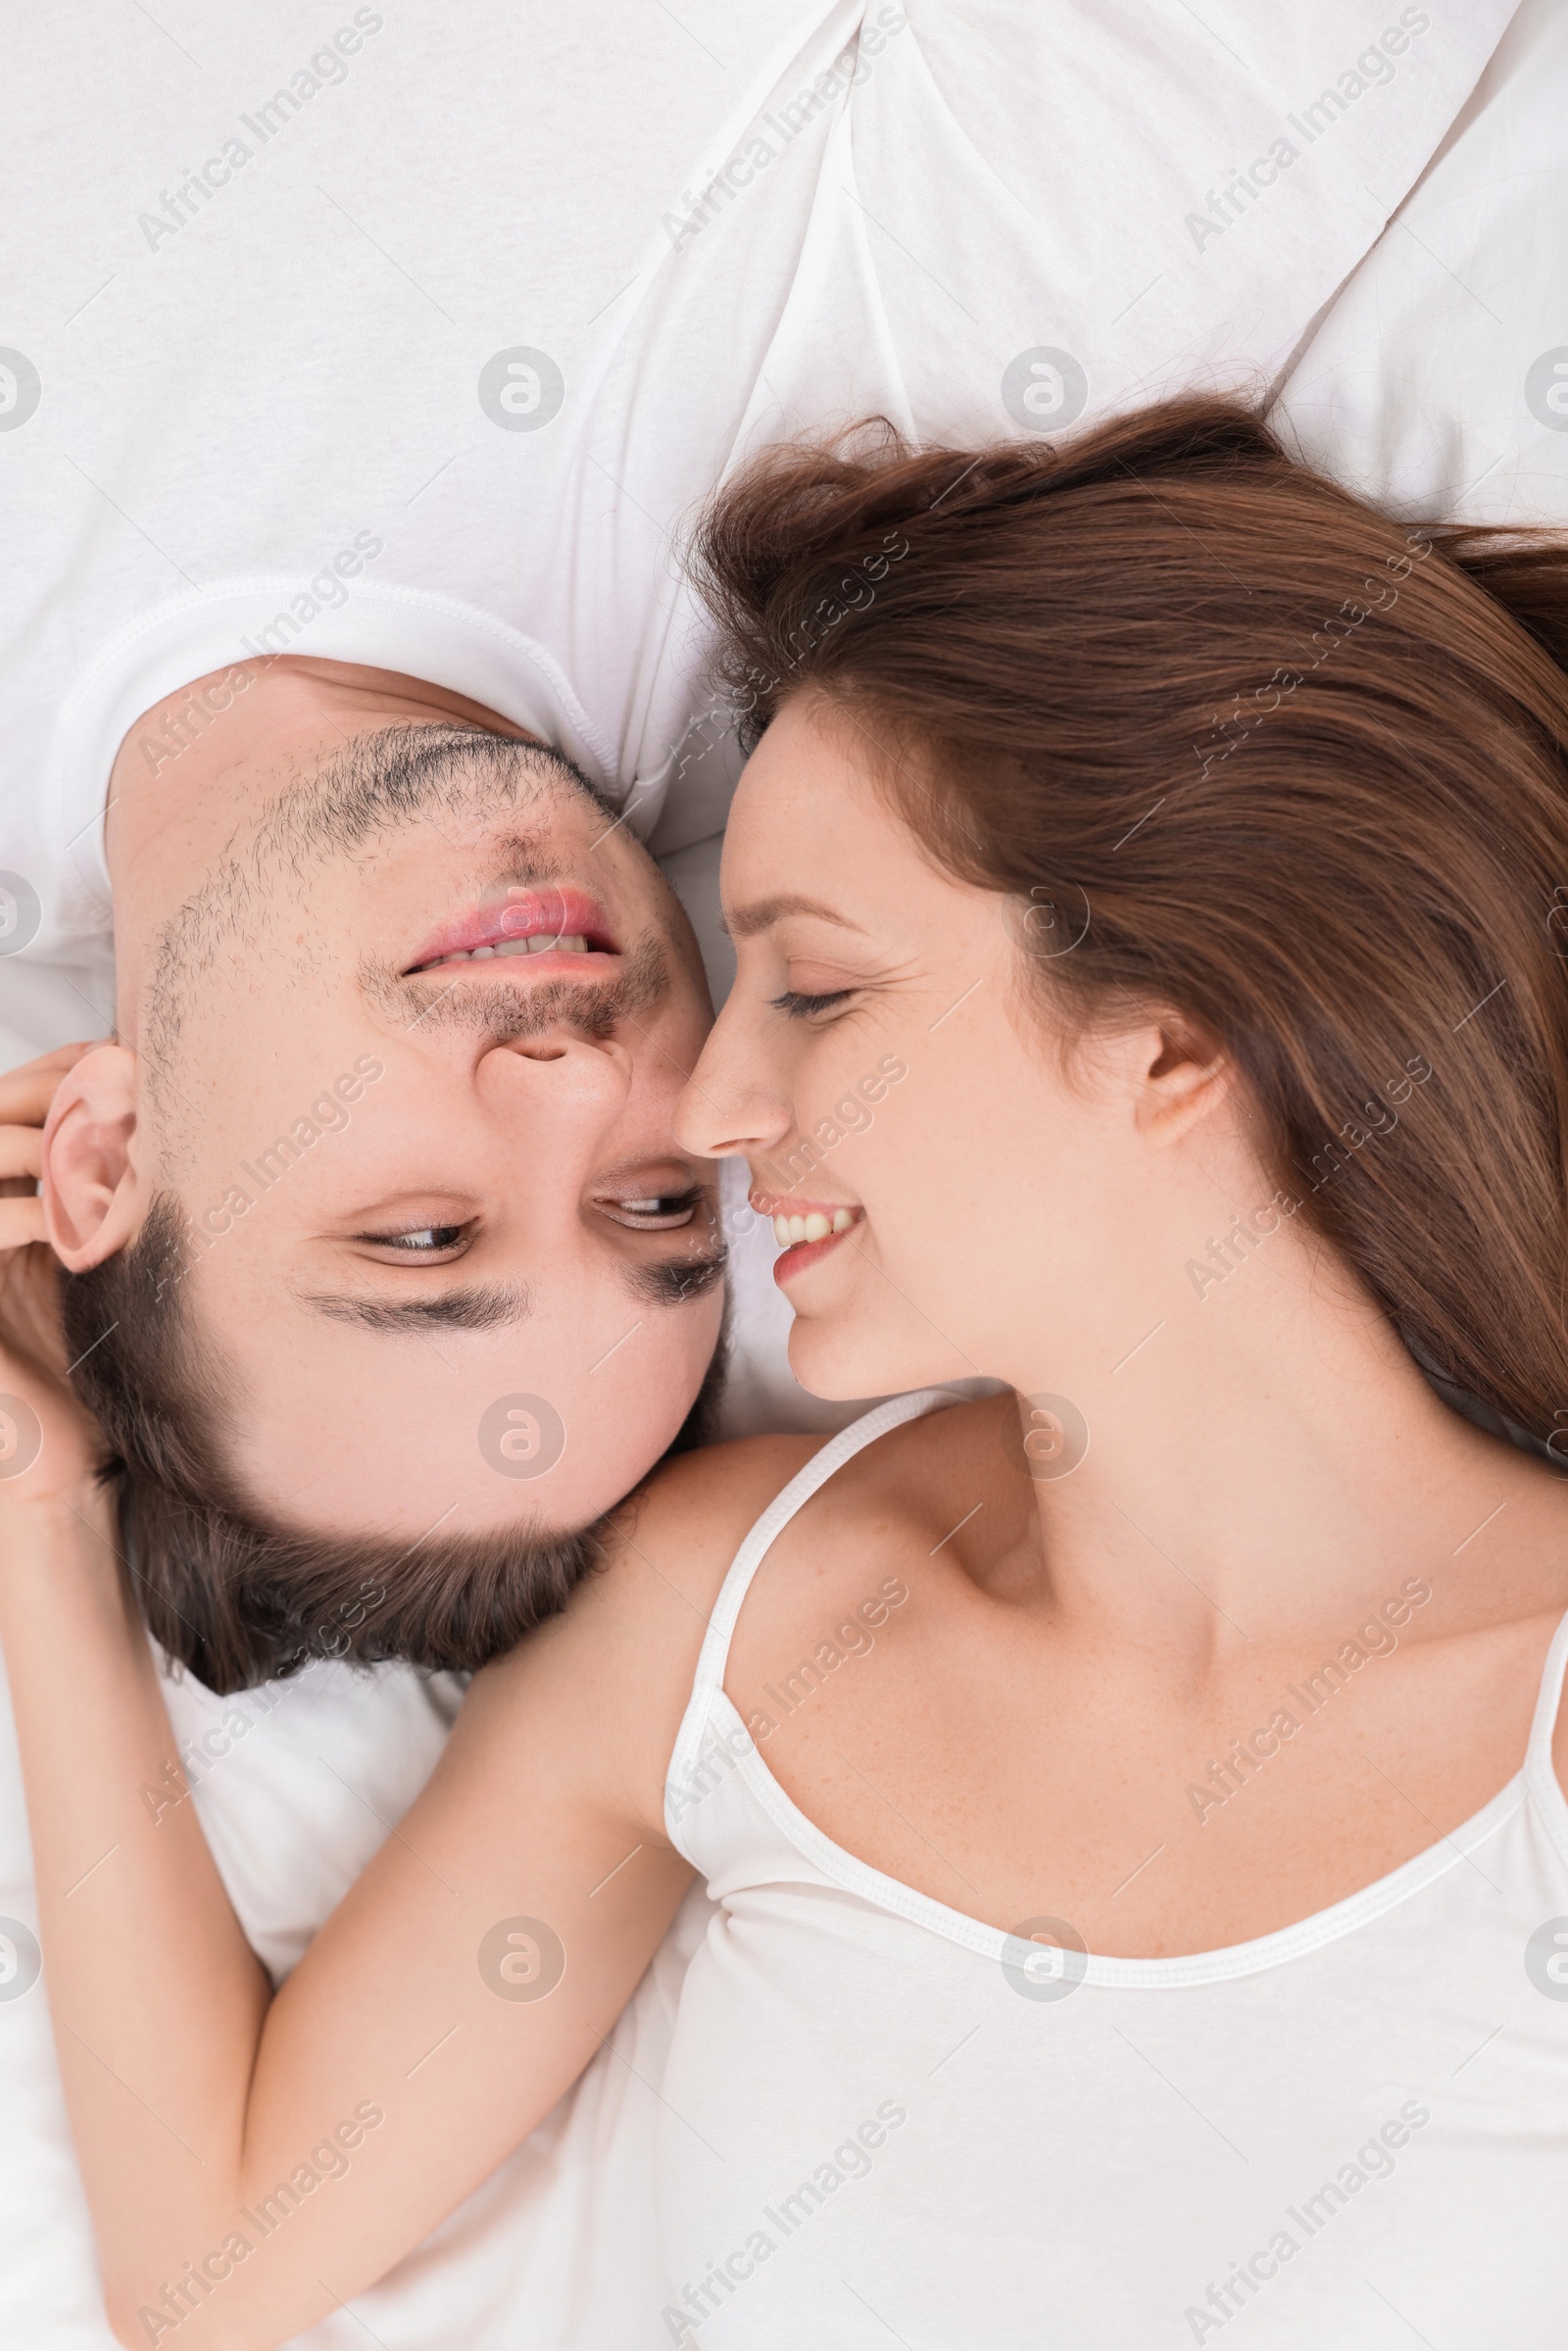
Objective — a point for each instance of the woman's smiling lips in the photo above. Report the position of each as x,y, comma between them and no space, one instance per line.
805,1230
566,927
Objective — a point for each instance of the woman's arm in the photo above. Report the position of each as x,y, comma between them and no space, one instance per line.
94,1736
251,2162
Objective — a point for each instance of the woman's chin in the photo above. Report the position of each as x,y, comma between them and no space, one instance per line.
819,1366
839,1366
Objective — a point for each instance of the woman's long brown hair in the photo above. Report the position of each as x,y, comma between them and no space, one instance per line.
1240,746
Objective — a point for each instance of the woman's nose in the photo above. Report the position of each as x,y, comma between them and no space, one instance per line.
729,1106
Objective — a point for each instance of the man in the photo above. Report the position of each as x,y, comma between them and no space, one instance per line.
383,1152
408,342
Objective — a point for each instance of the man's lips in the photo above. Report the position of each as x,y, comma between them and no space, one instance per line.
566,927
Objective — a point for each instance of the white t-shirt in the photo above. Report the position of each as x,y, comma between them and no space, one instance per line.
460,312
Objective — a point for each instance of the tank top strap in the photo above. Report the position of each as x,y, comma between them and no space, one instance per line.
715,1653
1543,1730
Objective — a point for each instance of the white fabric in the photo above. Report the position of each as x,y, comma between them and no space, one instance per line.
292,373
225,408
1416,388
885,2120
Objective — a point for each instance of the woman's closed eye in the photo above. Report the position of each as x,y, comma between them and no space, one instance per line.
795,1005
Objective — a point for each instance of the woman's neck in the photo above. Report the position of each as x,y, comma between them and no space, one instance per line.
1268,1462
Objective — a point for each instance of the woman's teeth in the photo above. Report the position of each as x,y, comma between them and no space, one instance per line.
790,1231
539,945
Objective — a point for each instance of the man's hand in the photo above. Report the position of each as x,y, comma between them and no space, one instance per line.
33,1351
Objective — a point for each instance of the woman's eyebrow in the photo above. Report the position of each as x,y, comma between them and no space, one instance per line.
747,921
478,1306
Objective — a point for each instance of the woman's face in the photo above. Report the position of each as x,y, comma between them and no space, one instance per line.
971,1197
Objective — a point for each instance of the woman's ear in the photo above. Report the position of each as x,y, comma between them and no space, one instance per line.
92,1201
1186,1076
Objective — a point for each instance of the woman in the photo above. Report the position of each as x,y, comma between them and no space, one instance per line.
1143,1874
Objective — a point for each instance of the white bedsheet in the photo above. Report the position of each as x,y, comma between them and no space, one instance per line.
1415,386
1427,383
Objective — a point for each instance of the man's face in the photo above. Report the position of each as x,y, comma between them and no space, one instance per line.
445,1249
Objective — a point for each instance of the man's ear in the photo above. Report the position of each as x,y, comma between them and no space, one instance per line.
92,1197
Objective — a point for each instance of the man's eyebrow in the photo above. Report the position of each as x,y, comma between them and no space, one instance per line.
676,1279
747,921
478,1307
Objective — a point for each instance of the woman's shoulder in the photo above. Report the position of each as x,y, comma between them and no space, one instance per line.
665,1550
632,1636
692,1515
670,1545
620,1663
685,1524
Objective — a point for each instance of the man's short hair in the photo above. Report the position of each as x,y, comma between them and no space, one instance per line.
238,1598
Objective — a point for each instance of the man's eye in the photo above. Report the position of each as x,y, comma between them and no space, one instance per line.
796,1007
658,1213
420,1240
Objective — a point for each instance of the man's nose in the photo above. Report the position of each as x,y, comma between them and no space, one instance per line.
558,1071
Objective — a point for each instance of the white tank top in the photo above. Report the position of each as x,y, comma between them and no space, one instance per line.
885,2123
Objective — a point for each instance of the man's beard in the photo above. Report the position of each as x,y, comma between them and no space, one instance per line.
505,1012
386,782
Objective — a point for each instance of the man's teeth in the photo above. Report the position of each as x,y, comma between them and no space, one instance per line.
790,1231
541,944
